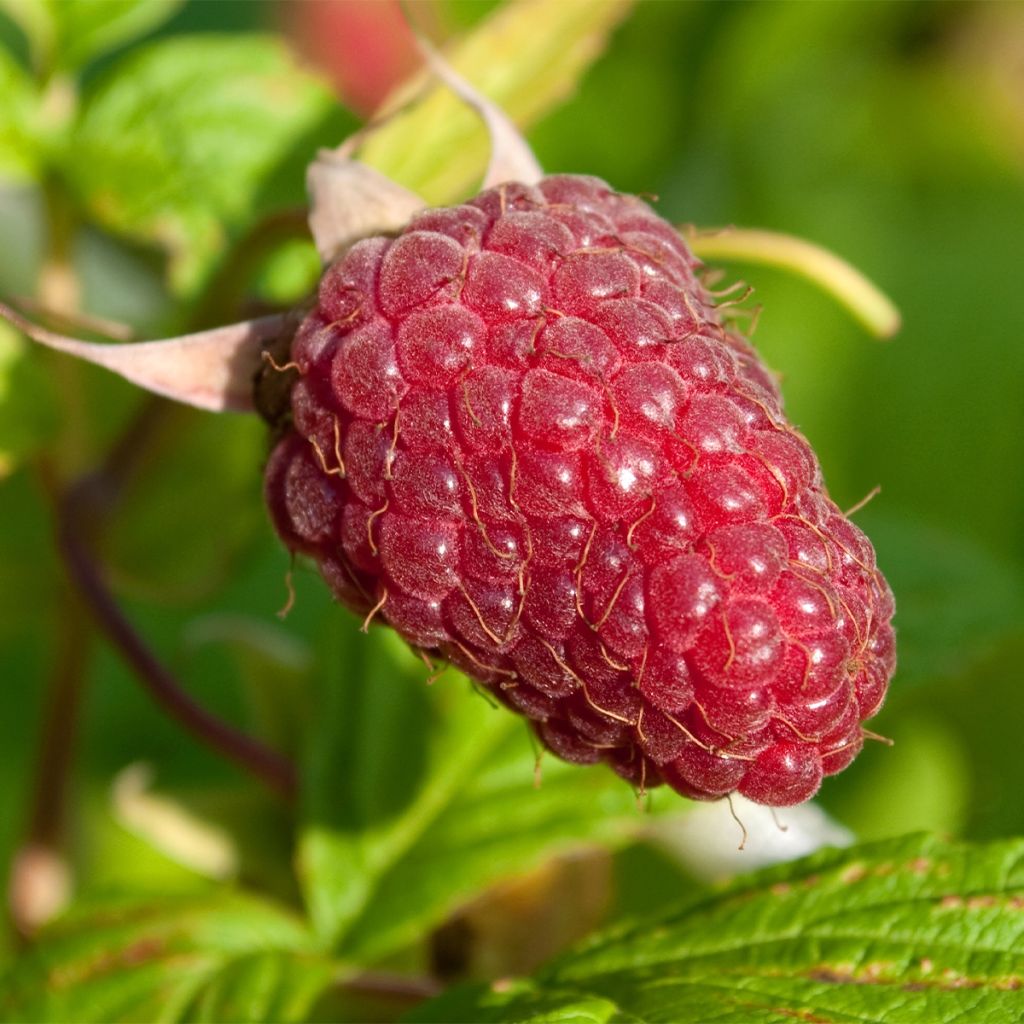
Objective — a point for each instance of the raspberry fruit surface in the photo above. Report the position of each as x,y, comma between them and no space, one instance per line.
522,436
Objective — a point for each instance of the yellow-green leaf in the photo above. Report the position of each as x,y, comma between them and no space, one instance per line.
68,34
526,57
17,103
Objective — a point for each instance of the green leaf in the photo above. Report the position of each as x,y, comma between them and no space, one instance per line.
17,146
218,956
218,833
178,141
498,824
67,34
28,414
910,930
421,797
483,1005
527,57
289,274
387,756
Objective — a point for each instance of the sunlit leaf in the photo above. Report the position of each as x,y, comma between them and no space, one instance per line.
526,57
901,932
511,158
67,34
17,147
387,757
177,140
498,825
263,987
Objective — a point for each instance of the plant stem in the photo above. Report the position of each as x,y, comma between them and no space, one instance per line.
271,767
844,282
58,287
80,510
385,985
40,879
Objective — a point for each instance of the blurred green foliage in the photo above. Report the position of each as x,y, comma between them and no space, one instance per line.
891,133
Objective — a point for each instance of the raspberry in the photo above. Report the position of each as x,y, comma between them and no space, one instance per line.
522,436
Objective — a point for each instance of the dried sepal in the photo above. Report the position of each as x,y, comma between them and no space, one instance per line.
211,369
350,200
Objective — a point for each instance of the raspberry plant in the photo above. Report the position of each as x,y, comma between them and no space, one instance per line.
522,429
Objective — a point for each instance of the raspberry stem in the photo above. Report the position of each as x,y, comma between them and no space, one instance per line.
89,501
868,304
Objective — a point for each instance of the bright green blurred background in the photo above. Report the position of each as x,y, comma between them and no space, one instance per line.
891,133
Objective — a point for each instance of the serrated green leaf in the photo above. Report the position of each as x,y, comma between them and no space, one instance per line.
526,57
221,955
28,413
521,1002
177,141
911,930
17,146
420,798
67,34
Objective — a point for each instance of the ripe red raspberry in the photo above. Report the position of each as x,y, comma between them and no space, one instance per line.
522,434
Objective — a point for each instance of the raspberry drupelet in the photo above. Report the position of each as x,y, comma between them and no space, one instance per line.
522,436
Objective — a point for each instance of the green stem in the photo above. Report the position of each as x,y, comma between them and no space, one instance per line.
82,510
272,768
871,307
